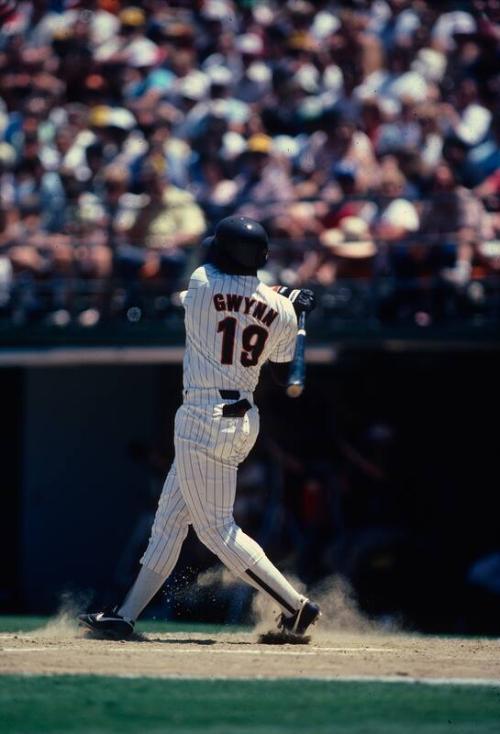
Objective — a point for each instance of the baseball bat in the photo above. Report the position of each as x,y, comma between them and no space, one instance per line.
297,375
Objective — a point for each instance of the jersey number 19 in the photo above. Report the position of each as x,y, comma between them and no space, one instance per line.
253,340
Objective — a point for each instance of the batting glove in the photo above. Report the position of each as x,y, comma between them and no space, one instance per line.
303,299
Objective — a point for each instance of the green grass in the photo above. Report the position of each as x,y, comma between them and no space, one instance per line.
10,623
98,705
21,624
106,705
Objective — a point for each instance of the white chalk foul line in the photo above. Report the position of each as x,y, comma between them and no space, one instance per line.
256,651
489,682
28,649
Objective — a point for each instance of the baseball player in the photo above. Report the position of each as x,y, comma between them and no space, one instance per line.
234,324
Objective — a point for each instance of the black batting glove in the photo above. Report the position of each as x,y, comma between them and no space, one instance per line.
303,299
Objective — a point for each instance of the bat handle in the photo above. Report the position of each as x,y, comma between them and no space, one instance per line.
295,383
302,323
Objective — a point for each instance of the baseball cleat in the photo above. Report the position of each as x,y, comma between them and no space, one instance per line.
299,622
107,624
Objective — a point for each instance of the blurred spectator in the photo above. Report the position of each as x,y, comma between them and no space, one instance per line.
397,216
466,117
453,223
338,142
131,128
263,183
157,226
346,252
213,189
167,218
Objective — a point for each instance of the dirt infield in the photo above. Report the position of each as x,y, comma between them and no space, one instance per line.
56,650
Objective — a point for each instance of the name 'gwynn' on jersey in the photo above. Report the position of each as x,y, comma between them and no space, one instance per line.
234,323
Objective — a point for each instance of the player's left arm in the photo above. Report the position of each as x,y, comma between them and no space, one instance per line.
303,300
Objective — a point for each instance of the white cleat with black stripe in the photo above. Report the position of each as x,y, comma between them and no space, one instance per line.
107,624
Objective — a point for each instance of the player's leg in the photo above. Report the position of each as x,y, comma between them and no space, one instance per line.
209,487
167,535
169,530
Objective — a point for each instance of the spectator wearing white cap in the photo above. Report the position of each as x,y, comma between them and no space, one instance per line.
448,25
185,94
254,74
103,25
218,102
395,22
484,160
130,45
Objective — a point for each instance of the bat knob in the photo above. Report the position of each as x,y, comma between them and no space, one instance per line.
294,390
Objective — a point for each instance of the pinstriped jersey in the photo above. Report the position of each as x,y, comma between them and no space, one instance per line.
234,323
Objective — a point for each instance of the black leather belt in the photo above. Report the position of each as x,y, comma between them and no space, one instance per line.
234,410
230,394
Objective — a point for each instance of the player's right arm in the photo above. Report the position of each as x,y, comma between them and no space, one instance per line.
280,372
197,280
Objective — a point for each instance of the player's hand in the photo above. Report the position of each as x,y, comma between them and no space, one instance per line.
303,299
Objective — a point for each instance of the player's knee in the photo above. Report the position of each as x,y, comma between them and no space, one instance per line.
175,524
217,536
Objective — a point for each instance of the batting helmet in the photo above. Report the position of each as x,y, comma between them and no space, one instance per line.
242,240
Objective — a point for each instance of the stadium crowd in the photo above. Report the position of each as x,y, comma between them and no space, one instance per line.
364,135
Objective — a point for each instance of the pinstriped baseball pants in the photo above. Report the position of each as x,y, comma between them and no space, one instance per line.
200,490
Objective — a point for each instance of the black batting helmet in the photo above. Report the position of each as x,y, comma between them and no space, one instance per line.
242,240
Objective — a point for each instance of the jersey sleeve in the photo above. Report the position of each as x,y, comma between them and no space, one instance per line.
285,346
198,278
188,297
